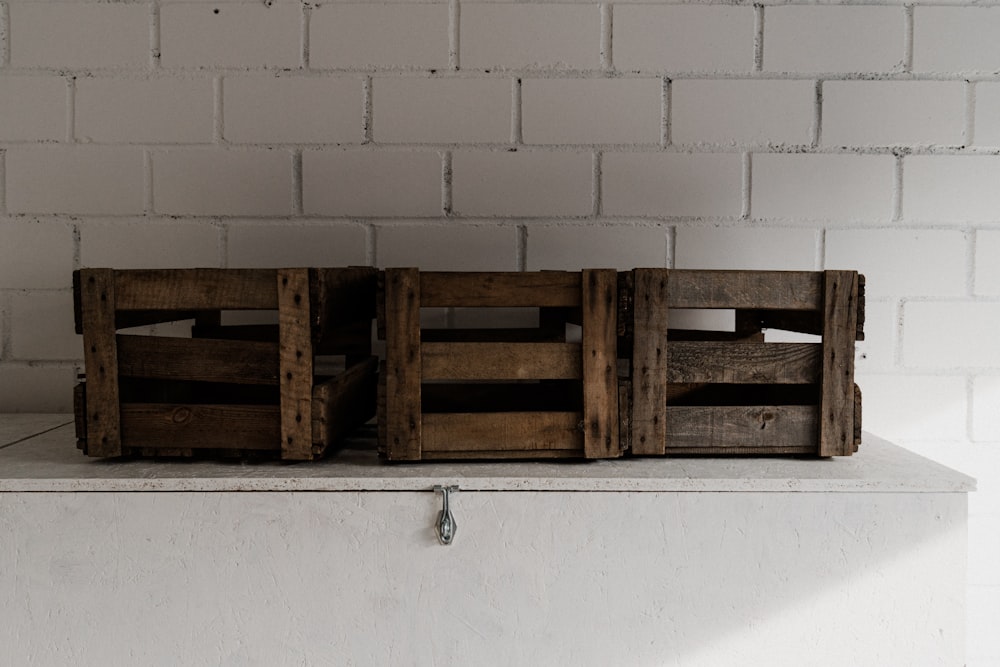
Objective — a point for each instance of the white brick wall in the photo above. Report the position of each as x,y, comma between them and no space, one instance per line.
526,135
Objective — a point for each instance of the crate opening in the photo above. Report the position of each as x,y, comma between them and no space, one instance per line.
742,394
512,396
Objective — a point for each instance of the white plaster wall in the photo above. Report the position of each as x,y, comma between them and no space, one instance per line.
533,135
532,578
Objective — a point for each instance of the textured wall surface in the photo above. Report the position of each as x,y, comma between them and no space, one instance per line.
532,578
528,135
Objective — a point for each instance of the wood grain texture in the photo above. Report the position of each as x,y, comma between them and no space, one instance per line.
295,364
343,403
403,369
857,417
650,361
744,363
472,289
165,425
196,289
500,361
836,429
342,298
600,363
780,290
516,432
98,301
199,359
759,429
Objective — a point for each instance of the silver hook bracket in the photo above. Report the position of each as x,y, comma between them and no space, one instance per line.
446,524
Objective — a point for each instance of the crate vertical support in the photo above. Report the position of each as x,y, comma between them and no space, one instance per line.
840,314
600,364
101,359
403,366
295,364
649,362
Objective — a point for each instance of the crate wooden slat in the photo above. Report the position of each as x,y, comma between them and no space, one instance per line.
241,389
692,392
499,393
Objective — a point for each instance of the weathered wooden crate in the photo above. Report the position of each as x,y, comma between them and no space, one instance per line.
499,393
229,389
712,392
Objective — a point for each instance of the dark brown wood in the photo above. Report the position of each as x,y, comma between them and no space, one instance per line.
857,417
98,302
403,292
516,432
80,415
295,364
498,335
342,297
781,290
543,288
500,454
763,429
500,361
744,363
860,331
199,359
650,361
600,363
196,289
164,425
343,403
836,429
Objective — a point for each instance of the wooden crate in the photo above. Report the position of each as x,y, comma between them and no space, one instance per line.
228,389
499,393
710,392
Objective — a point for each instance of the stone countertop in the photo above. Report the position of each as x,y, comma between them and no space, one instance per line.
38,453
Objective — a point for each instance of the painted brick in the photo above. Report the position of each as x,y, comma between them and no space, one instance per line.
833,39
143,244
441,110
844,187
36,388
35,255
276,246
572,247
45,328
271,109
470,247
901,262
914,407
683,38
133,111
956,39
987,115
672,184
950,188
32,108
522,183
496,35
987,266
862,113
947,334
78,180
745,248
372,183
368,35
79,35
986,408
877,351
742,112
214,182
230,34
591,111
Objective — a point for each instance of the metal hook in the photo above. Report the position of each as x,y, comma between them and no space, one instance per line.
446,524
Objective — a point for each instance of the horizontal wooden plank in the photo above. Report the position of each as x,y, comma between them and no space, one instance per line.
198,359
709,429
196,289
484,455
744,363
500,361
772,290
477,289
501,431
250,427
342,403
